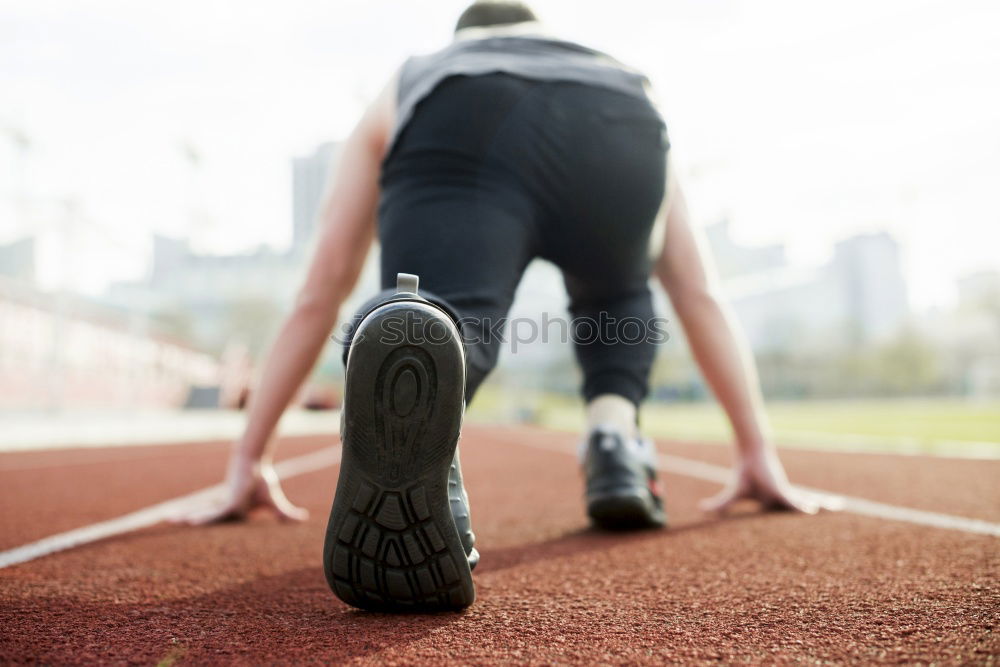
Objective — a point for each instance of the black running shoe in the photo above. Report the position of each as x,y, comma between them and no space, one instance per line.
392,543
622,490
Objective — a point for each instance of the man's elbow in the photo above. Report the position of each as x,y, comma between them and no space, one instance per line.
313,304
691,297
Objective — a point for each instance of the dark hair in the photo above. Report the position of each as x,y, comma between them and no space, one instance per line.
494,12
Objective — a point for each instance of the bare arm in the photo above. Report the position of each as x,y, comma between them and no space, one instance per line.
347,227
687,274
721,352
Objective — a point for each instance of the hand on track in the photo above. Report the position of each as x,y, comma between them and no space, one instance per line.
249,487
761,477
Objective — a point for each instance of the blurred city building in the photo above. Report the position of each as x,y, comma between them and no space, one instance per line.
844,326
734,259
807,325
857,298
213,297
310,174
979,314
17,260
64,351
219,300
981,287
968,336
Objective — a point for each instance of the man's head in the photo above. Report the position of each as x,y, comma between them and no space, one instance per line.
486,13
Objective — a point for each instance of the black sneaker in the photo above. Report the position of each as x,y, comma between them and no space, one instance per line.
622,490
459,501
392,543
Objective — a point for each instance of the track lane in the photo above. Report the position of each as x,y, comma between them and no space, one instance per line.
754,587
41,498
936,484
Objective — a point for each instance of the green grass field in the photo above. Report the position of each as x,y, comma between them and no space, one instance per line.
933,426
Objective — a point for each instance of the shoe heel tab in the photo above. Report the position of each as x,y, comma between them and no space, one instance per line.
407,283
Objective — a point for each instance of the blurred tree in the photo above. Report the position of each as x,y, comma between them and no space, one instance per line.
252,321
176,323
906,365
987,303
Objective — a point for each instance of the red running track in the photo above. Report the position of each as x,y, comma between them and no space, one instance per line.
759,588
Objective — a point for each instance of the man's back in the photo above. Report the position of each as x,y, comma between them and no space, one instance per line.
525,52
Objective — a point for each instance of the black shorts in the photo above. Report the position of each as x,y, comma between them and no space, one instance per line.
493,171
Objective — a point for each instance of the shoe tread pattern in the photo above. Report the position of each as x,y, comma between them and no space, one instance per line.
391,554
392,543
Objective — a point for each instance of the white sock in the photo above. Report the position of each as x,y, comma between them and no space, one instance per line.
614,411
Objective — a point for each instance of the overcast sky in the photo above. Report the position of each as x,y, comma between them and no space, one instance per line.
803,122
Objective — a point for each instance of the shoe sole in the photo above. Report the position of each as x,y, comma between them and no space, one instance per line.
391,542
626,511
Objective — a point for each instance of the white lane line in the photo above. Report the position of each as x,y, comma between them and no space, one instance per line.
856,443
61,460
862,506
154,514
72,430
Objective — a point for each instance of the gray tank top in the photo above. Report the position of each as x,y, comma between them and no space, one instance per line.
540,58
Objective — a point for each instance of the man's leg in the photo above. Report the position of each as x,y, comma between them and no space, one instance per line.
470,253
615,339
613,410
615,345
606,199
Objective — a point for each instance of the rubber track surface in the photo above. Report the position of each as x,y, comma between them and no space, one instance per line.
774,588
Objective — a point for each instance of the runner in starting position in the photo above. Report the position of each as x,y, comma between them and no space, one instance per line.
509,144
